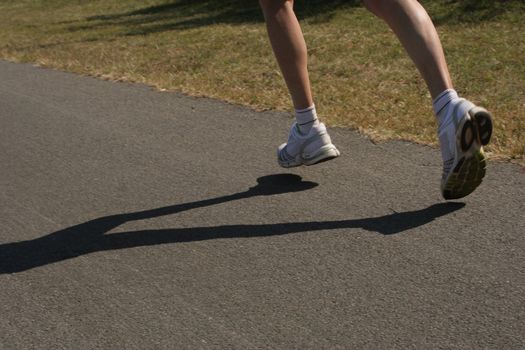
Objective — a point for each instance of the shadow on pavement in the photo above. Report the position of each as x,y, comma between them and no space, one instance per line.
90,236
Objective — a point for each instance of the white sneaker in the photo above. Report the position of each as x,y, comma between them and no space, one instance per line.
464,137
309,149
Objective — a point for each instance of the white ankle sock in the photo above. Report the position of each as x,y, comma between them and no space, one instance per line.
306,118
449,107
442,105
443,99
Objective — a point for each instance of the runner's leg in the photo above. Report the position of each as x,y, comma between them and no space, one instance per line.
416,32
463,127
308,142
289,48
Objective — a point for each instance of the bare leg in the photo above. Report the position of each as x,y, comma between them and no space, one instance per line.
416,32
289,47
308,141
463,161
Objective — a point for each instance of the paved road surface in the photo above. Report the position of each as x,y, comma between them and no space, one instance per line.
137,219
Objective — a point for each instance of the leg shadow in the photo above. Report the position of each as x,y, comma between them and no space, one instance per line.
90,236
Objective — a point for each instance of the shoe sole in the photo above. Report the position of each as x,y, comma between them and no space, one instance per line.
470,168
324,154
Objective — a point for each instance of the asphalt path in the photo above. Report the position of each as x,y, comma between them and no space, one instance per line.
138,219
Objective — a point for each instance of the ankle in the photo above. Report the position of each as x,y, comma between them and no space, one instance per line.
306,119
441,102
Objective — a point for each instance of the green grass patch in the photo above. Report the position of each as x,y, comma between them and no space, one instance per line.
361,76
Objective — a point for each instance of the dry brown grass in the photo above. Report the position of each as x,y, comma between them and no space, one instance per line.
362,78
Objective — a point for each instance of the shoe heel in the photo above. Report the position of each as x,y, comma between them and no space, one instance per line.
483,124
468,135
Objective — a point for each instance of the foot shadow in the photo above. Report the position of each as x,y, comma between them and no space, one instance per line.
90,236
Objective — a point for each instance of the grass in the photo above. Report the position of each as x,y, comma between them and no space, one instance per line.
361,76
